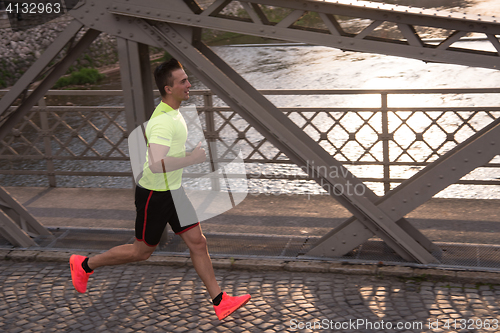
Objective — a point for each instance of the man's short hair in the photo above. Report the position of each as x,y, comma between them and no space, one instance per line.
163,74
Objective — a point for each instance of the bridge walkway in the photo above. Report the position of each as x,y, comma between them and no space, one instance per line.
262,226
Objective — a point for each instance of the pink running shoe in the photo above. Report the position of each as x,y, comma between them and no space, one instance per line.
229,304
78,274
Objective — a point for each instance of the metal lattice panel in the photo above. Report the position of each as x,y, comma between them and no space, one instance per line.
96,134
61,135
430,134
415,136
74,134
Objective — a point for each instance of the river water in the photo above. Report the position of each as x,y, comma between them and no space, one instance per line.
313,67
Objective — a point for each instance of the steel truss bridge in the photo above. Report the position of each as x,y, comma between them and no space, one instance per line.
176,25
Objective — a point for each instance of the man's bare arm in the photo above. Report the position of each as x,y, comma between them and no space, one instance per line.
159,162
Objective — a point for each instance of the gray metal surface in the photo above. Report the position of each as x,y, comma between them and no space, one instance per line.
12,233
36,69
136,82
408,43
458,162
44,125
13,118
17,225
108,125
18,234
180,37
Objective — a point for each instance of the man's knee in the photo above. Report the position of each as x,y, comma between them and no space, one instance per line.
198,243
141,256
141,253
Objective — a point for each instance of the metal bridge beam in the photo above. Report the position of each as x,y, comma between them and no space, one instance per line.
403,18
12,233
136,81
361,232
37,68
458,162
59,70
284,134
16,223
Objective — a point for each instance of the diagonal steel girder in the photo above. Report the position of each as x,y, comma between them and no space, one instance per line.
476,151
59,70
17,224
403,18
38,66
286,136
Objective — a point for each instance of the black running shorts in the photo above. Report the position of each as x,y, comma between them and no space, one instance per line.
156,208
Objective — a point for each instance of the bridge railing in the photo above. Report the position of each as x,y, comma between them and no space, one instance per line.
382,136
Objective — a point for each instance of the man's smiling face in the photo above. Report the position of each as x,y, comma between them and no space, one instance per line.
180,87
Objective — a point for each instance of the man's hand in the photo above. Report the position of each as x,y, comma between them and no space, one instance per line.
198,154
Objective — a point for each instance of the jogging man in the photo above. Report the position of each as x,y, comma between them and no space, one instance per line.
166,135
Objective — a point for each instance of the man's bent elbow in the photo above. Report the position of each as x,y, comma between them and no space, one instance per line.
158,167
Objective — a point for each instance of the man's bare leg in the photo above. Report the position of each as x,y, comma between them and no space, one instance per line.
197,244
123,254
82,267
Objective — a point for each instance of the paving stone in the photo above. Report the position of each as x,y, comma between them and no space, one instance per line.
169,298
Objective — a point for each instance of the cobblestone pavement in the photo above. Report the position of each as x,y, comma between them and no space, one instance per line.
39,297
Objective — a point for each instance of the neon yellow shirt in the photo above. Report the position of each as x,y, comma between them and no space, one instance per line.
165,127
